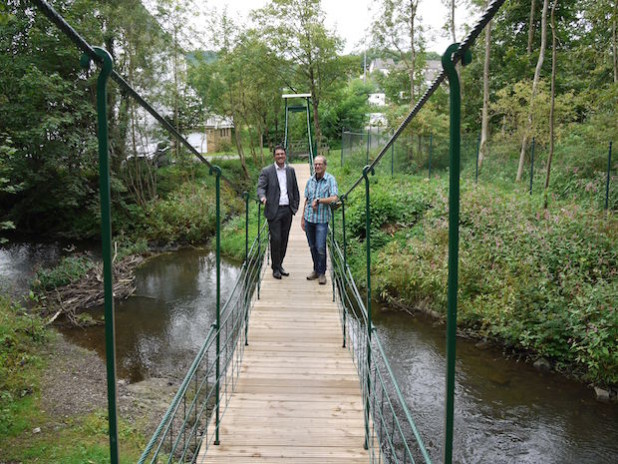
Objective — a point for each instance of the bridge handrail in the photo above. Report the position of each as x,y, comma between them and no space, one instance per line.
344,284
194,428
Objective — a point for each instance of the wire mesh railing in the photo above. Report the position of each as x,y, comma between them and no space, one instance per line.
192,420
391,436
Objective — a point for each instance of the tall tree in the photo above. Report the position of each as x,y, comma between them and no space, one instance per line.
485,109
531,27
535,83
396,31
296,31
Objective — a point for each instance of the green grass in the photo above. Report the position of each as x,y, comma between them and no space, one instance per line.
74,440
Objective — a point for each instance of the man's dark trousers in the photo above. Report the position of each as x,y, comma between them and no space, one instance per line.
279,228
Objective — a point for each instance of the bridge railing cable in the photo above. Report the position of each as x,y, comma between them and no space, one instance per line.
85,47
464,46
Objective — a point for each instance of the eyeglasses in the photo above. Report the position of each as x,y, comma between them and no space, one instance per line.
318,164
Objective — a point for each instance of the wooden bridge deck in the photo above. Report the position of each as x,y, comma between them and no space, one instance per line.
298,396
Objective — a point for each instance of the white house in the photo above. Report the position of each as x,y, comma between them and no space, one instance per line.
377,99
382,65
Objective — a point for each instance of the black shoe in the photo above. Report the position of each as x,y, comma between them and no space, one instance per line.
277,274
283,272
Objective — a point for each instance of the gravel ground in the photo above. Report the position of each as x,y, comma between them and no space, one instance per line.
75,384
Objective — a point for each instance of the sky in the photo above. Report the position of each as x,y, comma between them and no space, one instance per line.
351,19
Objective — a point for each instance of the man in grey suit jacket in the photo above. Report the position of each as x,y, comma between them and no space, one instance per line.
278,191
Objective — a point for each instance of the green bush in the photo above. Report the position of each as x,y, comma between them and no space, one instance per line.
69,270
540,281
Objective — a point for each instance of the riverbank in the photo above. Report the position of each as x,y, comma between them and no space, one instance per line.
57,409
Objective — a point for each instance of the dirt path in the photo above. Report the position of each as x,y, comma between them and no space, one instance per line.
74,384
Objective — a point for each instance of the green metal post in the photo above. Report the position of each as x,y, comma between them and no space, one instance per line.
478,150
342,134
311,155
393,158
532,163
453,240
368,143
285,135
248,284
345,262
332,215
106,243
366,171
429,156
217,171
259,235
609,170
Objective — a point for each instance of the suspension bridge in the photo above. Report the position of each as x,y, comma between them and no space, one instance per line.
289,371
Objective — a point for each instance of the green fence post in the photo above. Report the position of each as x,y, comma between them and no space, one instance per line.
453,239
342,146
106,243
478,150
609,170
393,158
429,156
217,171
366,171
368,143
311,154
532,164
285,135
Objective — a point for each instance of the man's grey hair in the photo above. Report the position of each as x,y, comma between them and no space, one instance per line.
322,158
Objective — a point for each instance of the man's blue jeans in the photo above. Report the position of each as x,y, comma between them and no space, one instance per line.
316,236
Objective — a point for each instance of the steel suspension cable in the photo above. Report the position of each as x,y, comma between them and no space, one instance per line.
488,15
84,46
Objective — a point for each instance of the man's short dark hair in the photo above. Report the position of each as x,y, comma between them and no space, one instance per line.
279,147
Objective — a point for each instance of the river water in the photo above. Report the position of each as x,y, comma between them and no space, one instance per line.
505,411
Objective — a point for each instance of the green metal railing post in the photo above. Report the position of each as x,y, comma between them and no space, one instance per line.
429,156
366,171
453,239
248,283
217,171
345,260
532,163
332,237
259,235
609,170
106,239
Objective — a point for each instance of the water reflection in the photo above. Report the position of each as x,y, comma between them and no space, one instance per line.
505,411
19,262
159,331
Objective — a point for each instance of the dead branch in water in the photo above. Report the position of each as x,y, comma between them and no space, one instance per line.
74,298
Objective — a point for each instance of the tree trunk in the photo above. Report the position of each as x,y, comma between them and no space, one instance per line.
553,99
241,153
485,110
531,27
413,9
314,105
535,83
